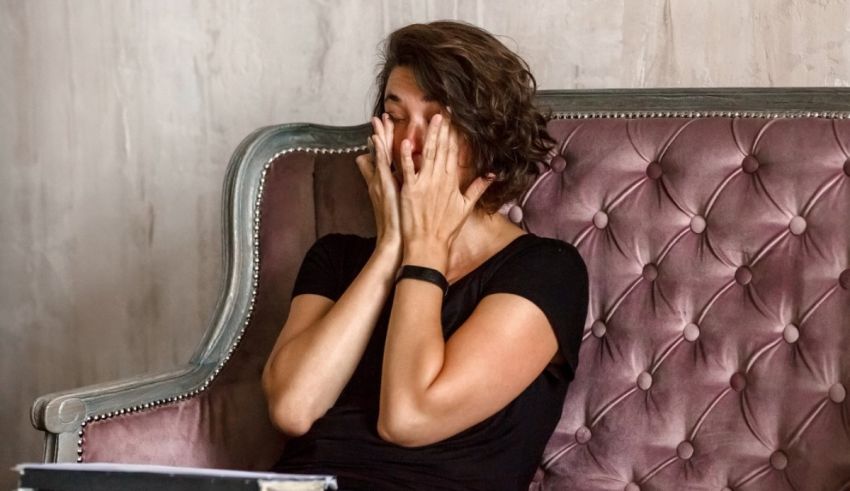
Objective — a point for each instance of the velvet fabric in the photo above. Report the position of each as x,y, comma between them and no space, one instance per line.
715,353
716,349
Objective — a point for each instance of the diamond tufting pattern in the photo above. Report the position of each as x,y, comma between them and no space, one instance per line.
716,352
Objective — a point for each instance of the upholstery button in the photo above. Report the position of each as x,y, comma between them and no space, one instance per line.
600,219
583,435
650,272
644,381
691,332
558,163
750,164
797,225
697,224
515,214
738,381
791,334
779,460
844,279
847,168
632,486
685,450
598,328
837,393
654,170
743,275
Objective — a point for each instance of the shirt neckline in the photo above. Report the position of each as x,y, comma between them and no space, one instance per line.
500,252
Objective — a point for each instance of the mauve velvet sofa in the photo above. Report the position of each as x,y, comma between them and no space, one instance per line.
716,228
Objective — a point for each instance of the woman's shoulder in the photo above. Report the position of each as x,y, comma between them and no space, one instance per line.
531,249
550,243
552,275
331,263
536,263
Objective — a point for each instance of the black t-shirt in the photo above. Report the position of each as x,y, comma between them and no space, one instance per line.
500,453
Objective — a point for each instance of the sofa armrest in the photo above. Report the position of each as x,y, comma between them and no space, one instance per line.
63,415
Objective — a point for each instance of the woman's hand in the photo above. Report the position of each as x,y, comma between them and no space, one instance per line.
433,208
383,188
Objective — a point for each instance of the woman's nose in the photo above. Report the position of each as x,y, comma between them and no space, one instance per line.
416,135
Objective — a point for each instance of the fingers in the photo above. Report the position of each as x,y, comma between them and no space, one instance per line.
386,178
380,161
373,164
379,138
453,152
388,136
370,146
429,150
442,152
383,129
366,163
382,151
476,190
378,129
365,166
407,168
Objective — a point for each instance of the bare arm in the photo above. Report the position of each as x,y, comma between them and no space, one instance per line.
432,389
321,344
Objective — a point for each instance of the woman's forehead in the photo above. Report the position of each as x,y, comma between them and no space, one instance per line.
403,87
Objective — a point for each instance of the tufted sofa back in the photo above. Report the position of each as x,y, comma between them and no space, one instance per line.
716,353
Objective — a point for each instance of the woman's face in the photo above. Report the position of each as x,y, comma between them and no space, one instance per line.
411,111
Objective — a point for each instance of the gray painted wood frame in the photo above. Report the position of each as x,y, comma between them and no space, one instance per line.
63,415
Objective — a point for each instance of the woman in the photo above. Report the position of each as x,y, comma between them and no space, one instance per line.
436,355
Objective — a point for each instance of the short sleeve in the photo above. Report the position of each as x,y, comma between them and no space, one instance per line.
552,275
321,270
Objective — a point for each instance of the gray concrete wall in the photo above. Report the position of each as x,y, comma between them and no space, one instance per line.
117,119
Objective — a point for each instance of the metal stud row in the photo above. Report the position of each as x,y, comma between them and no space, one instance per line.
255,284
130,410
685,114
701,114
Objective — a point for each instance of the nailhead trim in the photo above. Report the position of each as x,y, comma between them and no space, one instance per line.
685,114
701,114
255,243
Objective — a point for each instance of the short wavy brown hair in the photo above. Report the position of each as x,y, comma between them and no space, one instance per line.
490,91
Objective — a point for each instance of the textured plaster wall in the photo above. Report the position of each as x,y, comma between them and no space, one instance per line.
117,119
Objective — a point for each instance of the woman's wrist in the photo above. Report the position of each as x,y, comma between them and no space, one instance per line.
388,244
426,253
420,273
387,256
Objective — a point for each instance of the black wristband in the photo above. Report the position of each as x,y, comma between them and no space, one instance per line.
424,274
